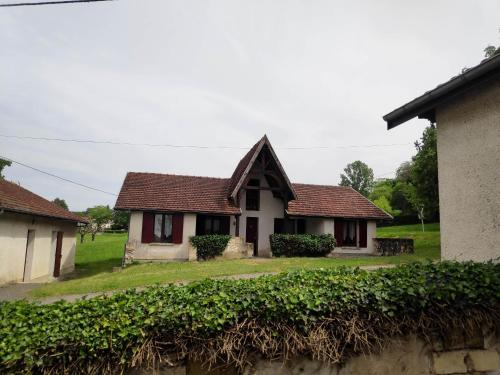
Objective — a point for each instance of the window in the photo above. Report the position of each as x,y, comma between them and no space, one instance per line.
301,226
162,228
207,224
349,233
279,226
253,196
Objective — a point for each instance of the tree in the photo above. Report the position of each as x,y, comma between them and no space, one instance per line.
61,203
98,215
424,175
4,163
491,51
358,176
83,230
120,220
384,204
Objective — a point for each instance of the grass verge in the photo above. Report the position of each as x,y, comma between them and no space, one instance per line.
95,260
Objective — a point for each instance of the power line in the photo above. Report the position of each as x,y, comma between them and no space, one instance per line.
50,3
58,177
193,146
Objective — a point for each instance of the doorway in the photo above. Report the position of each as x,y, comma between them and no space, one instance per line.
252,233
28,258
57,260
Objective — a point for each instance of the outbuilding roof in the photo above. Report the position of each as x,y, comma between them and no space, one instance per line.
425,105
15,198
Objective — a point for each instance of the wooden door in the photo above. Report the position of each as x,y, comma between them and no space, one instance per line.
57,260
252,235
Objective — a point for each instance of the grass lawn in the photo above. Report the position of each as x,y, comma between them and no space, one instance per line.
95,260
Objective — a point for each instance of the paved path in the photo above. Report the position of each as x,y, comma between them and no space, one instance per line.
21,290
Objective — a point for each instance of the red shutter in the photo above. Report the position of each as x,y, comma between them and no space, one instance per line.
363,233
148,219
177,227
339,231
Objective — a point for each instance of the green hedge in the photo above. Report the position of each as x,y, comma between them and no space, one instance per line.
210,245
329,314
301,245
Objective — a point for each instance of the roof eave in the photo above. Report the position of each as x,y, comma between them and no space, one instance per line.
31,213
424,106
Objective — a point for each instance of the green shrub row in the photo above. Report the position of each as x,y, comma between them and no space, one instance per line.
210,245
301,245
113,331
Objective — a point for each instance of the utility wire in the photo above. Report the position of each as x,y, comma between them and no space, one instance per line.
58,177
49,3
193,146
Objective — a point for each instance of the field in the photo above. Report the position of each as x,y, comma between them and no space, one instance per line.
95,262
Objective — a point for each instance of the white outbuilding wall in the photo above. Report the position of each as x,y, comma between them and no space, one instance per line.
40,266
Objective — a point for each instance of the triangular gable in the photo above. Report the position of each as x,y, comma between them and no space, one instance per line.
245,165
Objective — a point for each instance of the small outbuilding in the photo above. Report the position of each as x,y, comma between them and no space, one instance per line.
37,237
466,111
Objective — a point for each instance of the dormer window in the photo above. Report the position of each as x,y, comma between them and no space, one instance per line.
253,195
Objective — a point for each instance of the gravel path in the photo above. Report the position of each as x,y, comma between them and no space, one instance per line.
19,291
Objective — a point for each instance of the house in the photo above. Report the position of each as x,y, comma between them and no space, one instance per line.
37,237
466,111
255,202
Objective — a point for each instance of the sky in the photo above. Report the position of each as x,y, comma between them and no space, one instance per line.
222,73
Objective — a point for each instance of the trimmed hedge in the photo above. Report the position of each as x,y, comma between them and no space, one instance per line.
210,245
301,245
328,314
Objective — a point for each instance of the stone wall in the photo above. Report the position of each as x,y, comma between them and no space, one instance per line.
393,246
471,353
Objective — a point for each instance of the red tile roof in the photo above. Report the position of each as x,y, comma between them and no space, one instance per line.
333,201
170,193
166,192
15,198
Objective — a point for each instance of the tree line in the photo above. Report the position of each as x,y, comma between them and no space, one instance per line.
412,193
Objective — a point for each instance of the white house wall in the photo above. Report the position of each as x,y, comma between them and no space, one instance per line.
13,238
325,225
270,208
160,251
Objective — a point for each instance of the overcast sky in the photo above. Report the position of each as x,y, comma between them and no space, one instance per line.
222,73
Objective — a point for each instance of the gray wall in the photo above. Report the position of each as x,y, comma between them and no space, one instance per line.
468,131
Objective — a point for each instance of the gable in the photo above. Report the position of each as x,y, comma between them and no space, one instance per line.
261,159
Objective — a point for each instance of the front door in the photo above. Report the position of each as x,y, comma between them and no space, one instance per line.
57,260
252,235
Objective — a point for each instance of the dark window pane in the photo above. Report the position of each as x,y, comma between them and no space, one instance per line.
301,226
252,200
279,226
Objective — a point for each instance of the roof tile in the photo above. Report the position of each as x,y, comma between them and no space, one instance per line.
18,199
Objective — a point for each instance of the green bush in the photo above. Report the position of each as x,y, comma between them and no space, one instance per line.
301,245
210,245
296,313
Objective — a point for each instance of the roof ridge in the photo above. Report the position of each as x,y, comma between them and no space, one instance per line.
178,175
322,185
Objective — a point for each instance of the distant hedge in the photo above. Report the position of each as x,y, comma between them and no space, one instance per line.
301,245
210,245
329,314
